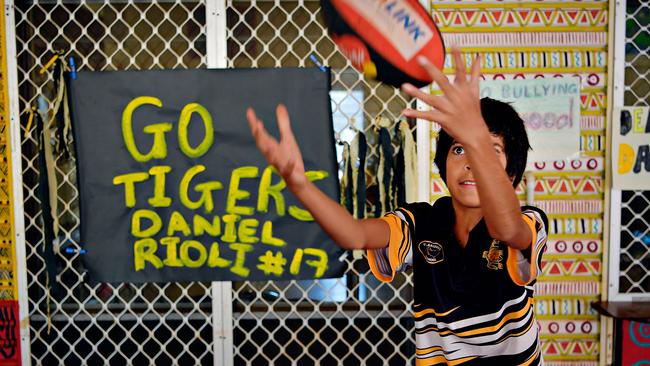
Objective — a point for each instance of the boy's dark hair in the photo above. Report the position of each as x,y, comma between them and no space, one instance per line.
502,120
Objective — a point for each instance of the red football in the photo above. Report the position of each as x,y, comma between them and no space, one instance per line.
383,38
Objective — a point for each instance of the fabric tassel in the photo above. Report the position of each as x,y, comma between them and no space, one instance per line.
346,182
49,123
384,172
49,235
49,164
399,196
358,151
410,162
61,109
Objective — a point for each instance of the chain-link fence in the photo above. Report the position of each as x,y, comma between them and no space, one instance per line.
634,270
108,323
637,53
635,243
352,320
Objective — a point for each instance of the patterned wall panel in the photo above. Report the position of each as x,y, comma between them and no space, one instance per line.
526,39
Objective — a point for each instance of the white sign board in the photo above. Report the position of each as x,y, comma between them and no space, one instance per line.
631,148
550,107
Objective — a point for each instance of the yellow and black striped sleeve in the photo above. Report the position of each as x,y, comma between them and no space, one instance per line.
397,255
523,270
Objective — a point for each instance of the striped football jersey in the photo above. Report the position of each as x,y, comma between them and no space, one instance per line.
473,304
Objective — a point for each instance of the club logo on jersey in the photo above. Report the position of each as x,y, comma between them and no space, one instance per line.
432,252
494,256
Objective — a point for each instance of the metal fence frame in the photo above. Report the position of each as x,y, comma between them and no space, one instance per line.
384,313
621,92
17,181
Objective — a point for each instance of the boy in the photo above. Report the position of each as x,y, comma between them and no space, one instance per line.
475,255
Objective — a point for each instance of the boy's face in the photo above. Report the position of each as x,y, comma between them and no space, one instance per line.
460,181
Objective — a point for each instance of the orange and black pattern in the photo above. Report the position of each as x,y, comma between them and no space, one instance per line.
473,305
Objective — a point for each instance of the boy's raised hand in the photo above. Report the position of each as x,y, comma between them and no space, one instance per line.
458,109
283,155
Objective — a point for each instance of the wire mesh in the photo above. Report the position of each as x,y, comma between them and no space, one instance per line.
635,242
351,320
108,323
637,54
634,271
355,319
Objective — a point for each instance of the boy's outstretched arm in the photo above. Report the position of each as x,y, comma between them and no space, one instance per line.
458,111
285,157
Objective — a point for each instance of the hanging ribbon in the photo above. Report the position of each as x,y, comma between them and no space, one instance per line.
358,151
53,136
346,179
399,197
55,121
48,215
61,109
384,173
47,169
409,153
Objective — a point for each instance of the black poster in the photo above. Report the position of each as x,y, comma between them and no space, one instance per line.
173,188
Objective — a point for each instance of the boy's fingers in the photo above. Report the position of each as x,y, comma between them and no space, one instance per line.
419,94
436,102
284,124
283,120
252,119
266,143
476,67
279,155
476,71
436,74
286,133
433,116
257,127
415,92
461,70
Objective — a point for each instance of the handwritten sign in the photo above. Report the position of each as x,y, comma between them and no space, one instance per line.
173,188
550,107
631,148
9,333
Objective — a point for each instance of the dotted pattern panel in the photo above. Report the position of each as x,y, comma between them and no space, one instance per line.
521,40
